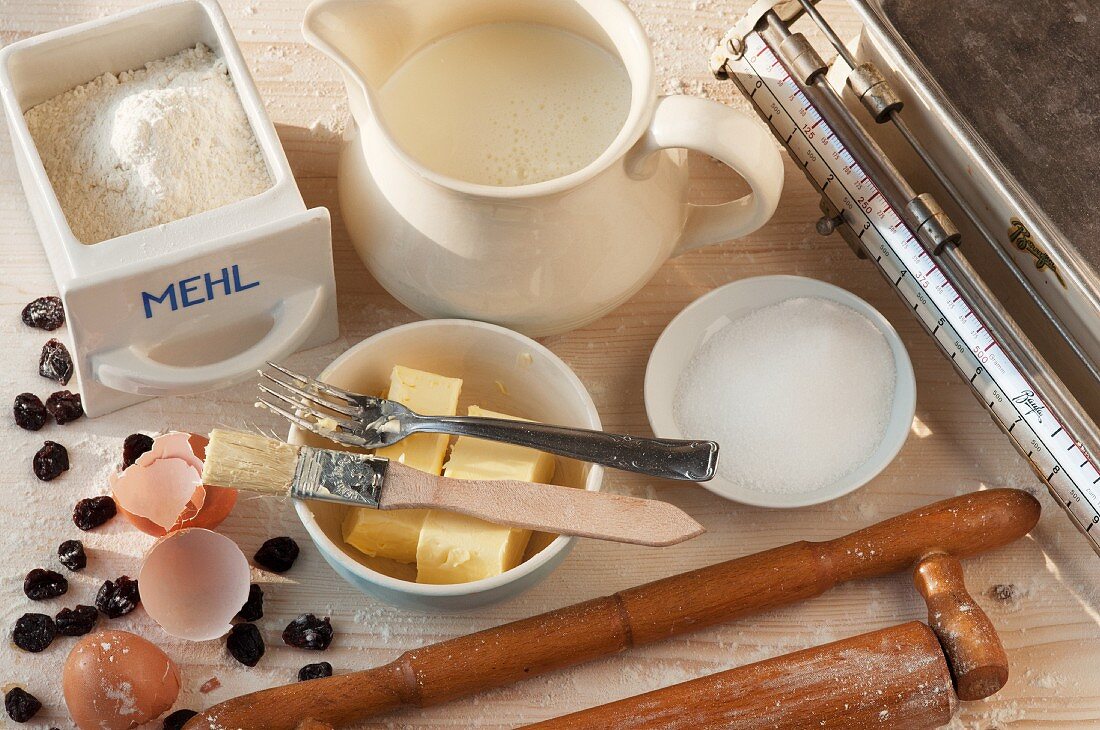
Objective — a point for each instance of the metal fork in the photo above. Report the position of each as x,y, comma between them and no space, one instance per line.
368,422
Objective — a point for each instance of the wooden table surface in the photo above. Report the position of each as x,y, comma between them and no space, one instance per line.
1048,616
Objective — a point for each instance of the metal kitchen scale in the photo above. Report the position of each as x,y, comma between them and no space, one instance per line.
978,203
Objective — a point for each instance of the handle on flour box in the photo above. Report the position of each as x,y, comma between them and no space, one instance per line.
731,137
132,371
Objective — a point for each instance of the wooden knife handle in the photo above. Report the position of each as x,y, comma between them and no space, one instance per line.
892,678
499,656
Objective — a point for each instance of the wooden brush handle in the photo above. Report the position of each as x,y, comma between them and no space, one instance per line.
974,650
893,678
499,656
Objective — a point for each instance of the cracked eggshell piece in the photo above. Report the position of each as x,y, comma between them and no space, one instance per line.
162,490
193,582
115,680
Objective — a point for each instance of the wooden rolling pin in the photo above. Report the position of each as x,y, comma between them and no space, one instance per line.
892,678
905,677
441,672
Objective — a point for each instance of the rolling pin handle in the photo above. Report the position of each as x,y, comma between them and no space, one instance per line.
974,651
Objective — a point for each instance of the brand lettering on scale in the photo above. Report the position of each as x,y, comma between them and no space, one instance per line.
197,289
1027,398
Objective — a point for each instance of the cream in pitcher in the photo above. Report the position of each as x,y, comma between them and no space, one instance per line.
512,162
507,103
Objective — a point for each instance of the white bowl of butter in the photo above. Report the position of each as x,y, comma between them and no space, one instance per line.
391,554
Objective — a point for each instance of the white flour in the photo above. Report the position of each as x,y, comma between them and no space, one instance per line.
149,146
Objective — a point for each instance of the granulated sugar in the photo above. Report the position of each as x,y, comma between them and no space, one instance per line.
148,146
797,394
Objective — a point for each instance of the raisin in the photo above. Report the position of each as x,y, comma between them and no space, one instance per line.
245,644
44,313
119,597
71,554
178,719
50,461
134,446
277,554
65,406
29,411
76,621
21,704
314,671
41,584
308,632
92,512
253,608
34,632
55,363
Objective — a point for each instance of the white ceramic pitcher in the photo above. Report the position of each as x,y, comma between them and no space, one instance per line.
545,257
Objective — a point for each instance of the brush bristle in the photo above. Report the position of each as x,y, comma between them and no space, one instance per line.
249,461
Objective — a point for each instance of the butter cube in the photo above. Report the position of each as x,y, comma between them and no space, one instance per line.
455,548
430,395
394,534
479,459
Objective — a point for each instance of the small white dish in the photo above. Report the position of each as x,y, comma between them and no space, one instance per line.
501,370
708,314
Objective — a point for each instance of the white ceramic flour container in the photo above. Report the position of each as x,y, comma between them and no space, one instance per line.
545,257
197,303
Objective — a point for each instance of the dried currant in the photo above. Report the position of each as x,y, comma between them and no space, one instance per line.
20,704
314,671
65,406
92,512
76,621
119,597
41,584
71,554
178,719
34,632
55,362
44,313
245,644
308,632
277,554
29,412
134,446
253,608
51,461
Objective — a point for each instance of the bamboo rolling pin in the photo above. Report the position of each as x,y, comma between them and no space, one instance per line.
441,672
891,678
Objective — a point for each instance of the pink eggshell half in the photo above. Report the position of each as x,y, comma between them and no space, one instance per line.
162,491
193,582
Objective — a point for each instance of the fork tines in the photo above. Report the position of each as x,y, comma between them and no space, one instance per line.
306,397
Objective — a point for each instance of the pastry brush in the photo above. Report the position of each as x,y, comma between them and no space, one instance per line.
256,463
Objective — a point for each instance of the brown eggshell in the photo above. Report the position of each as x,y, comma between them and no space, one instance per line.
115,680
216,503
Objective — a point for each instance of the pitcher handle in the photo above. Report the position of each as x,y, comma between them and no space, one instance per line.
731,137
